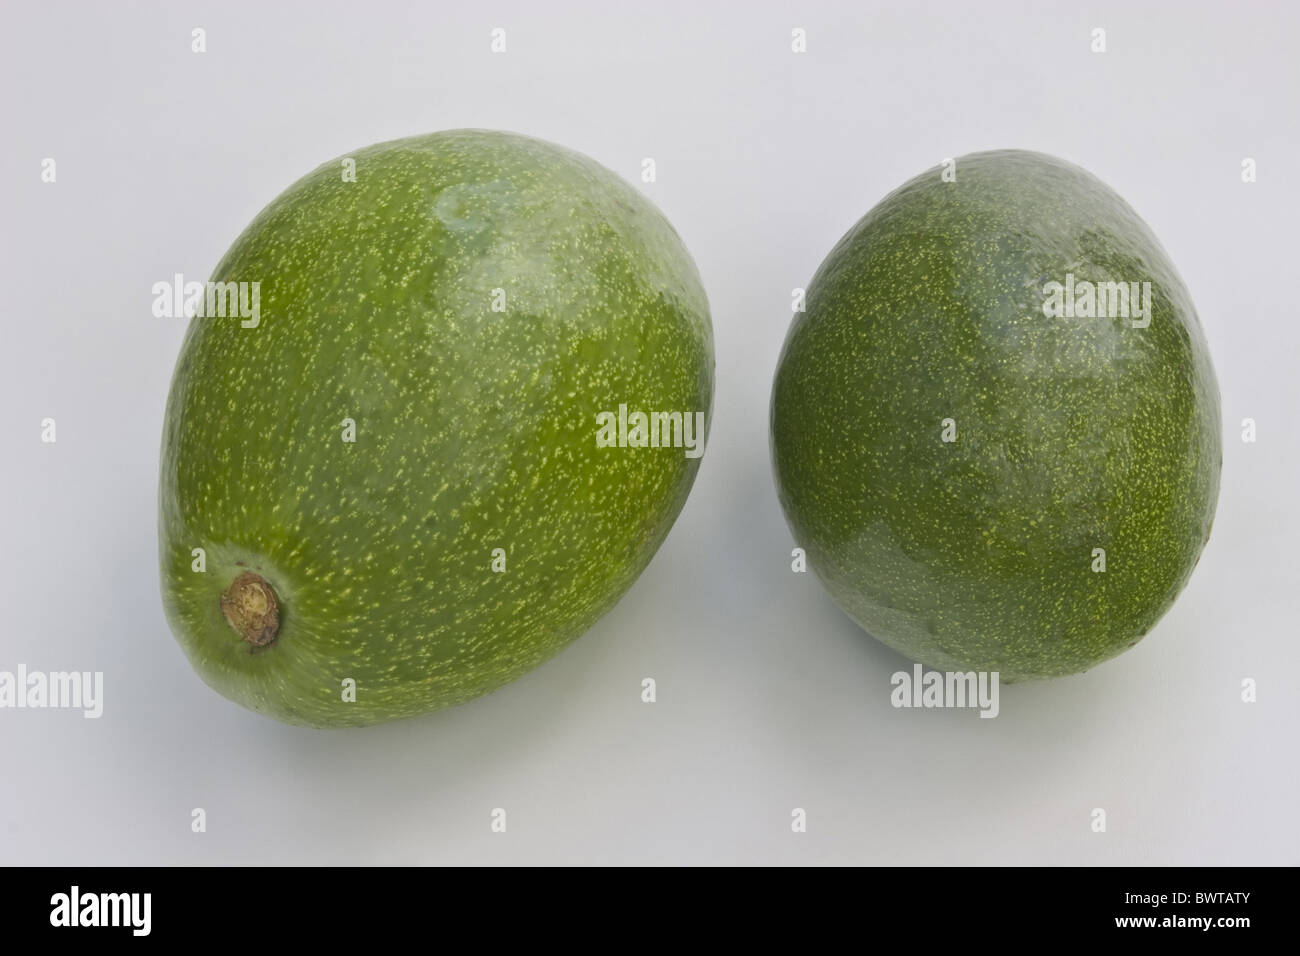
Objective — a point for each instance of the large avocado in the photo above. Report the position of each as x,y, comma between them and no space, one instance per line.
984,475
387,493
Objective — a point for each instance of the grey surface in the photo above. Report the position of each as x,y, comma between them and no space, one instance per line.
769,698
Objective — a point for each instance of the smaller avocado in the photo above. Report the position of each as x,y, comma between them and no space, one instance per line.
995,429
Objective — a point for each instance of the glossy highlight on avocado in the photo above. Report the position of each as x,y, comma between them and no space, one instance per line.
393,476
1076,442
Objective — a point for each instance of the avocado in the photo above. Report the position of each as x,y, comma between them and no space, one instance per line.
392,483
995,426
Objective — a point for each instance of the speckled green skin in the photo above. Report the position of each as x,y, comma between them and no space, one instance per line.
475,429
1072,434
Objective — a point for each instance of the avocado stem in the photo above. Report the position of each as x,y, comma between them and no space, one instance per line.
251,608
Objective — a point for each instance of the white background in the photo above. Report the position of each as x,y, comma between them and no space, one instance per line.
769,697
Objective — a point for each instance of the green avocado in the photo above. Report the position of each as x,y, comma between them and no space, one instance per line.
995,456
413,463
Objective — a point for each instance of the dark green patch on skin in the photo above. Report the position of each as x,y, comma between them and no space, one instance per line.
475,429
1073,433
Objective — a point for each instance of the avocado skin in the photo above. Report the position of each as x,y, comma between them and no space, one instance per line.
475,429
1072,434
